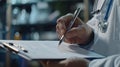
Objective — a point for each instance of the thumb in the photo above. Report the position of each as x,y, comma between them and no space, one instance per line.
73,32
44,63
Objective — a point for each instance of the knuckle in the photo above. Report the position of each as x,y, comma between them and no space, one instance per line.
69,14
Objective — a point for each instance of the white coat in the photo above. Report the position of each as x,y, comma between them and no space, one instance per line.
107,43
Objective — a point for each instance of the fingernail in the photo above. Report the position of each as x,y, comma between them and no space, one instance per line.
58,20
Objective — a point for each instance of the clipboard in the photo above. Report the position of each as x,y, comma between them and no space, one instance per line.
43,50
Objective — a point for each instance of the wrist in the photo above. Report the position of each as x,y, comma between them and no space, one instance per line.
89,40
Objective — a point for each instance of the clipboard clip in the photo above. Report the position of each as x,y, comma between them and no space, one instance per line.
13,47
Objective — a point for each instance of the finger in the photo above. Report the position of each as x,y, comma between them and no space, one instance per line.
77,62
75,35
61,28
68,18
49,63
58,34
68,40
55,64
78,35
74,32
44,63
58,31
70,36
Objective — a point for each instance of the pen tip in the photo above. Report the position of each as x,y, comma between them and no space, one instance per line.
59,42
61,39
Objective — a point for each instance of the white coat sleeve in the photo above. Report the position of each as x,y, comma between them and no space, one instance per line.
111,61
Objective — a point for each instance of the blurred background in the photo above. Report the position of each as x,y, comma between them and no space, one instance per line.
35,20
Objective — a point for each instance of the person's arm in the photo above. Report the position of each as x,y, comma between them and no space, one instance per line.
111,61
93,23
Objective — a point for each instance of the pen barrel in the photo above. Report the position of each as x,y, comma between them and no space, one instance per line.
76,13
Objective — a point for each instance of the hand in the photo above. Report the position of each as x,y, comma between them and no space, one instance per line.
71,62
79,33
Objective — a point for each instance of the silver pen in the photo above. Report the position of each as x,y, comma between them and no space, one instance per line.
76,13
